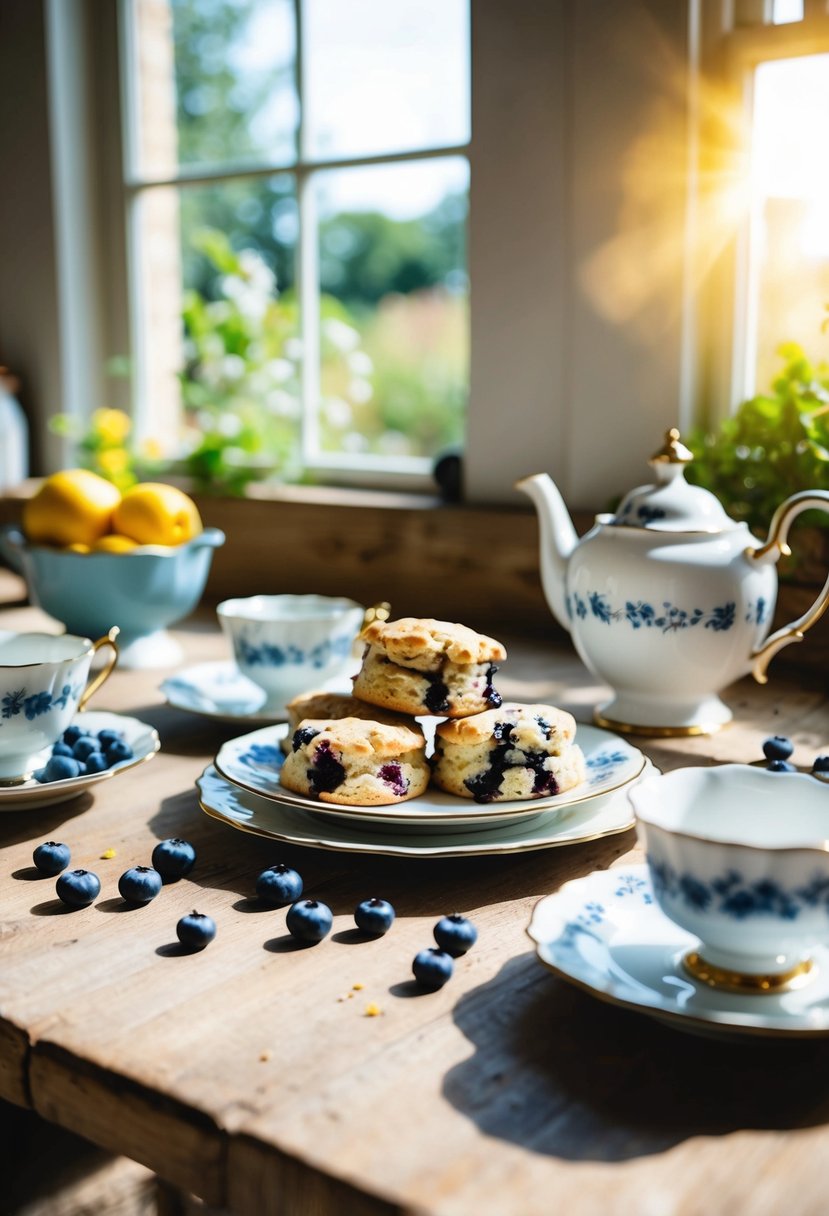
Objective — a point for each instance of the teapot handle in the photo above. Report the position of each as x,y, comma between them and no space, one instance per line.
775,548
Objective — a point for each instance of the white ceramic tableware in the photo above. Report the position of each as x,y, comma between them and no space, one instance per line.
606,934
253,762
288,644
668,600
44,680
739,857
238,808
33,794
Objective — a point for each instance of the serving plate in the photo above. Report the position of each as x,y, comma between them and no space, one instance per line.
253,763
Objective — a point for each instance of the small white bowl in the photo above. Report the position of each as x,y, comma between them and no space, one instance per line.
288,644
739,857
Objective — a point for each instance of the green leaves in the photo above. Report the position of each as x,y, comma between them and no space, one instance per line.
773,446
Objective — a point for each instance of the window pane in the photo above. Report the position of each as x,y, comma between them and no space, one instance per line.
393,328
790,205
382,77
220,333
215,83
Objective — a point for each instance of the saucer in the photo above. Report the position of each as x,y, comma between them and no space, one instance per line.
606,934
253,762
238,808
143,740
219,690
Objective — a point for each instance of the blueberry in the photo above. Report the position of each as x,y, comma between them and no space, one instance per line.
139,885
61,749
72,734
117,751
279,885
78,888
821,764
778,747
196,930
455,934
59,768
107,737
173,858
432,968
309,920
780,766
84,747
96,762
375,916
51,857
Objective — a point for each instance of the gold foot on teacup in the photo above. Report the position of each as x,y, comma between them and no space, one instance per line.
657,732
746,982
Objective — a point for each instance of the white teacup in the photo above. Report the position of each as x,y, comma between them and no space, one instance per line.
738,857
288,644
44,681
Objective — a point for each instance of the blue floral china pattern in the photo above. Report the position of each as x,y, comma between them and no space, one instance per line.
606,934
253,762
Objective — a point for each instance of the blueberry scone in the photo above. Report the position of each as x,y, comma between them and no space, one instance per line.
421,666
331,705
515,752
354,762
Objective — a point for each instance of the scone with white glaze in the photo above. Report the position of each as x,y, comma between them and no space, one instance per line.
516,752
333,705
354,762
422,666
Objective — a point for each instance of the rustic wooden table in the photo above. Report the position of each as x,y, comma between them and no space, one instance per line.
251,1075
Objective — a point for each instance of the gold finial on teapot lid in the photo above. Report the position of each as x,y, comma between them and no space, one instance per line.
673,450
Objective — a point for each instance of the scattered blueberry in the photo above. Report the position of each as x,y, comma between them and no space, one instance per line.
375,916
107,737
72,734
432,968
821,765
61,749
59,768
196,930
84,747
139,885
117,751
51,857
309,920
455,934
781,766
279,885
173,858
78,888
778,747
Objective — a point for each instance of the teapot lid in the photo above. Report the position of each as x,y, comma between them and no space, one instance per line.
671,504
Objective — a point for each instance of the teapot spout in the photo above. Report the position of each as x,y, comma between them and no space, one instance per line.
558,539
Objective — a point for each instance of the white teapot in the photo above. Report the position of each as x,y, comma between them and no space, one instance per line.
669,600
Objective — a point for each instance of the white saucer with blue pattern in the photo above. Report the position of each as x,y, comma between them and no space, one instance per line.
605,934
253,762
219,690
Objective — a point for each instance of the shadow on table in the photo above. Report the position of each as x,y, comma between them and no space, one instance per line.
566,1076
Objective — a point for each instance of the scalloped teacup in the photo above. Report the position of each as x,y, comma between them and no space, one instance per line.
739,856
288,644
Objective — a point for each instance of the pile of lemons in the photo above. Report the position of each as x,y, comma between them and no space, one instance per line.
80,511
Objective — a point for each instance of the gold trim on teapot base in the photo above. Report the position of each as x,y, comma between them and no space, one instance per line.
657,732
744,981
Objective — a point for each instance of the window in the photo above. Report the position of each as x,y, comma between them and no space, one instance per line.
297,178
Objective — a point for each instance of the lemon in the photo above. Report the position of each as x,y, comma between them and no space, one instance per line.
114,543
77,547
154,513
73,506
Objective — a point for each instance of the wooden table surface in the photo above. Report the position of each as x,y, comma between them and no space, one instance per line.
251,1075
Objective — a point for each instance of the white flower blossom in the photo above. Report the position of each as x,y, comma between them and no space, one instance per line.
360,391
360,364
337,413
342,337
280,370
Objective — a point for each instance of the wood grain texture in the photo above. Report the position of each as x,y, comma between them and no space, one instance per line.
251,1074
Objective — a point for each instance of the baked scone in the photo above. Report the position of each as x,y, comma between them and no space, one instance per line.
422,666
353,762
331,705
515,752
